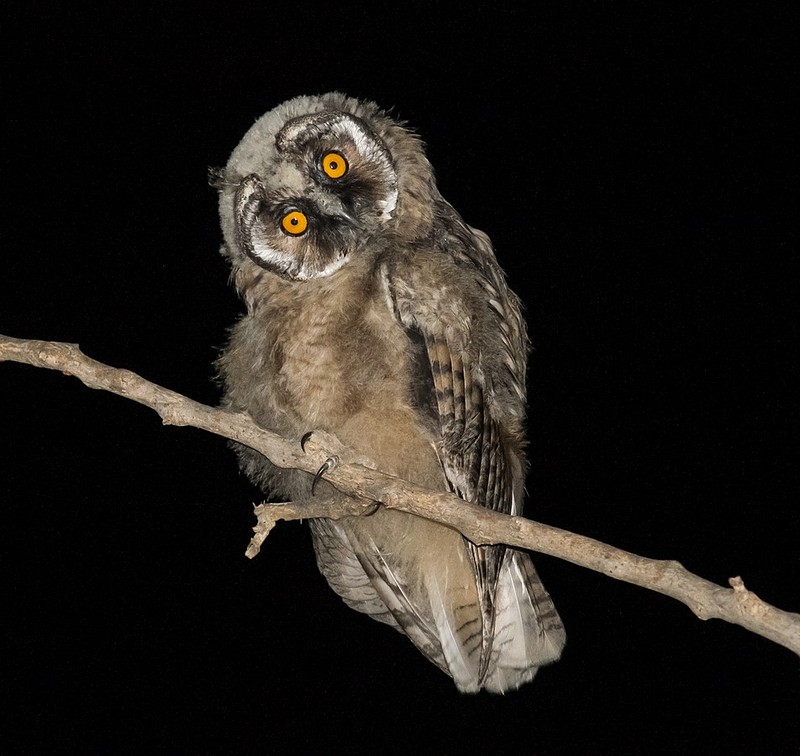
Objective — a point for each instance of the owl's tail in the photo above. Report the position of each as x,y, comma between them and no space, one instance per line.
528,632
417,577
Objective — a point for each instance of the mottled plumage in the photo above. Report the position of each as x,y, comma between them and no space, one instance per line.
375,313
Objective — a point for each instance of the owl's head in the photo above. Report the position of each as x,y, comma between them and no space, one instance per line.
317,178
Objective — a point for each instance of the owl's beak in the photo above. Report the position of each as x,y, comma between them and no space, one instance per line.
334,208
346,218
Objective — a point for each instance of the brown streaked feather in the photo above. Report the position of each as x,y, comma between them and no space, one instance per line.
476,353
464,451
340,566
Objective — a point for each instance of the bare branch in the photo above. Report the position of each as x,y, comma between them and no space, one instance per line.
356,477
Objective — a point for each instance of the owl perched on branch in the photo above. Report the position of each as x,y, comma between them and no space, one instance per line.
376,314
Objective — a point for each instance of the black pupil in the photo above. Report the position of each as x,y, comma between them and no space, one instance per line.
294,221
334,165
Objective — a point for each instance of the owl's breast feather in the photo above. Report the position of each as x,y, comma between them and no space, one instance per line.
340,362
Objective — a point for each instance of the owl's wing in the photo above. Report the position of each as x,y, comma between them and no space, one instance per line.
451,297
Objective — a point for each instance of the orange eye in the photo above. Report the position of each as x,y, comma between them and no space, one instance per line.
294,223
334,165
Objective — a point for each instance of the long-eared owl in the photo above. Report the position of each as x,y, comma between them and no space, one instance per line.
376,314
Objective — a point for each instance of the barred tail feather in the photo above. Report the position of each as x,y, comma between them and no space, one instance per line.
435,600
459,630
528,630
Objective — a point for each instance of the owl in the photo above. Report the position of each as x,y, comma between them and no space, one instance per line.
374,312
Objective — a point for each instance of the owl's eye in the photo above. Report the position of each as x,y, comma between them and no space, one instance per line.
334,164
294,223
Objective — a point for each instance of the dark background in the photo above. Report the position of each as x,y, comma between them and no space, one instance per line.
637,172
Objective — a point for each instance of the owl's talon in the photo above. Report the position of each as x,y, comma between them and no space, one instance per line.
304,440
329,464
375,508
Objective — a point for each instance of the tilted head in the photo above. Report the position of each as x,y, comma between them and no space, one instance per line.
316,178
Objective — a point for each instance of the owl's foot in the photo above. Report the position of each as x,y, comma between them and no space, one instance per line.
329,464
332,462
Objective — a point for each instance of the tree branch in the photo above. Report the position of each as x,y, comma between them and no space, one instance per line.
356,477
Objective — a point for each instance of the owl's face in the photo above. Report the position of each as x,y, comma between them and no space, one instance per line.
317,178
320,186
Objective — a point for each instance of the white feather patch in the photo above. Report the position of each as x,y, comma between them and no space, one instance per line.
528,631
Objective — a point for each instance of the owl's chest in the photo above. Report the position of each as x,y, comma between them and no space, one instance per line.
338,355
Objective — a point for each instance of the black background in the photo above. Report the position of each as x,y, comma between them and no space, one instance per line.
637,172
